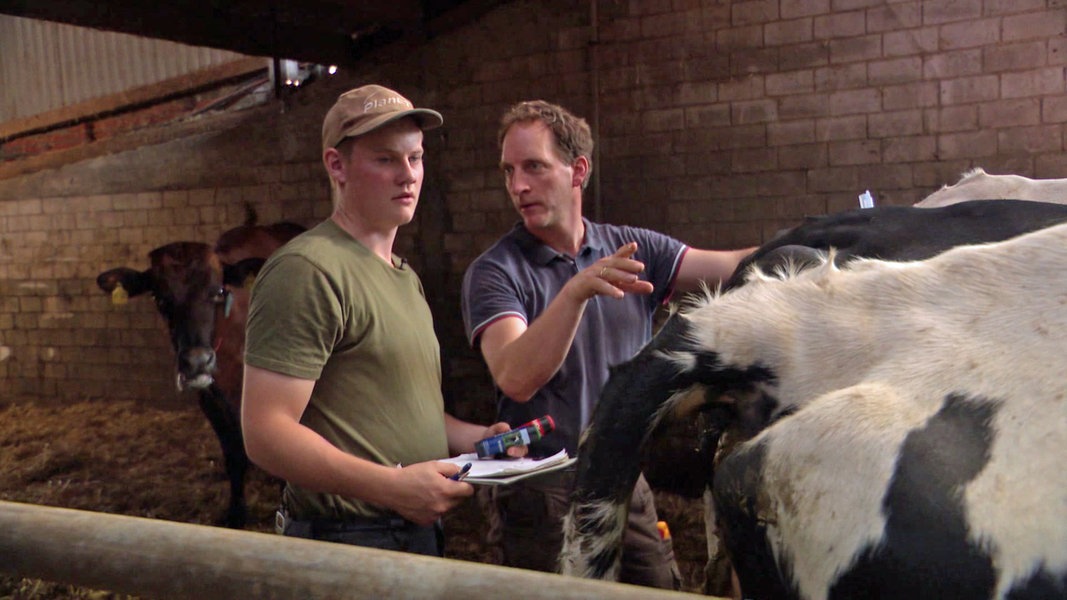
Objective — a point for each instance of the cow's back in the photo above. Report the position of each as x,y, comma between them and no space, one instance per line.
976,184
909,233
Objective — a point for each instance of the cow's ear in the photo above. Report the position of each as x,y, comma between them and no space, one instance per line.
134,282
236,274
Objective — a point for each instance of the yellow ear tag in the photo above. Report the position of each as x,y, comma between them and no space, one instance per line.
119,295
249,282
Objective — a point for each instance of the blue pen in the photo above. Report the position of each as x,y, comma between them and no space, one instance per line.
462,472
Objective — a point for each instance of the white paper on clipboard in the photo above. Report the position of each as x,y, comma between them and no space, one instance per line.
504,471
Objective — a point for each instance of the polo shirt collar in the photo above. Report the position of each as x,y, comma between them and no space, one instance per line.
540,253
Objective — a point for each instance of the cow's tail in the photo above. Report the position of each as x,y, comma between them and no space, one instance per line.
637,397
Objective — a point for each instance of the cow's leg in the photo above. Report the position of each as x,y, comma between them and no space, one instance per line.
227,426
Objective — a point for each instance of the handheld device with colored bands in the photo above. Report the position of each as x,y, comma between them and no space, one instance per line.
521,435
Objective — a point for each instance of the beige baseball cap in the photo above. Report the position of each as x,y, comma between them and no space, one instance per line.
367,108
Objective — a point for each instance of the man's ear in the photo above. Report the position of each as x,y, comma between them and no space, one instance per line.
335,164
581,171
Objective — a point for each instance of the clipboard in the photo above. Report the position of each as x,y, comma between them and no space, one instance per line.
505,471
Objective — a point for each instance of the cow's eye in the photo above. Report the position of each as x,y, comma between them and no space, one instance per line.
218,295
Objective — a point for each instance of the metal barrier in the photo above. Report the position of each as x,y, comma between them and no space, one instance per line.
162,559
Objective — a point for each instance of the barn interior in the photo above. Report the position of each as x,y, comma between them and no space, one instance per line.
124,127
128,125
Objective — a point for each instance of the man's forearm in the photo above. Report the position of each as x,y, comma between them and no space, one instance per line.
528,362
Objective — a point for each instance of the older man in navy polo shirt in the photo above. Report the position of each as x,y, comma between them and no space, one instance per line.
552,305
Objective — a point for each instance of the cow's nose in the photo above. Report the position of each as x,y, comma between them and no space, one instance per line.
195,367
198,360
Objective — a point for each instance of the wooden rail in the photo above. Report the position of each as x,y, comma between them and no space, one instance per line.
161,559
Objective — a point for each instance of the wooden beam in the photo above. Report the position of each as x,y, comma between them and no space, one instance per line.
138,96
149,136
160,559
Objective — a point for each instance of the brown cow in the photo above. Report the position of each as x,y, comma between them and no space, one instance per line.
202,293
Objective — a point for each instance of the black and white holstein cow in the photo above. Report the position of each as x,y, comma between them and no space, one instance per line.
900,232
202,293
899,426
976,184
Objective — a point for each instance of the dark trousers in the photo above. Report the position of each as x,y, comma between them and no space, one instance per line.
526,530
386,533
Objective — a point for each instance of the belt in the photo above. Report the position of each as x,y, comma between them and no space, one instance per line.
316,525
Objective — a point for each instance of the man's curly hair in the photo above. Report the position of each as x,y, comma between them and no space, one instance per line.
573,136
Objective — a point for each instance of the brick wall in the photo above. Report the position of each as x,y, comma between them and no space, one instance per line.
719,123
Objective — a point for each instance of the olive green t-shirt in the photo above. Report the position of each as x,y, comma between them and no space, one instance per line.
325,308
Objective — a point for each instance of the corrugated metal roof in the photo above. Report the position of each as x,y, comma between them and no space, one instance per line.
45,65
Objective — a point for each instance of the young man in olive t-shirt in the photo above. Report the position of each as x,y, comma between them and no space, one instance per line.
342,391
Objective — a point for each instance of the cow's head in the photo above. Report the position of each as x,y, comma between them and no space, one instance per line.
202,293
186,280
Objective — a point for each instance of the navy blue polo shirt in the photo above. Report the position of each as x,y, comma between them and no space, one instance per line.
519,276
